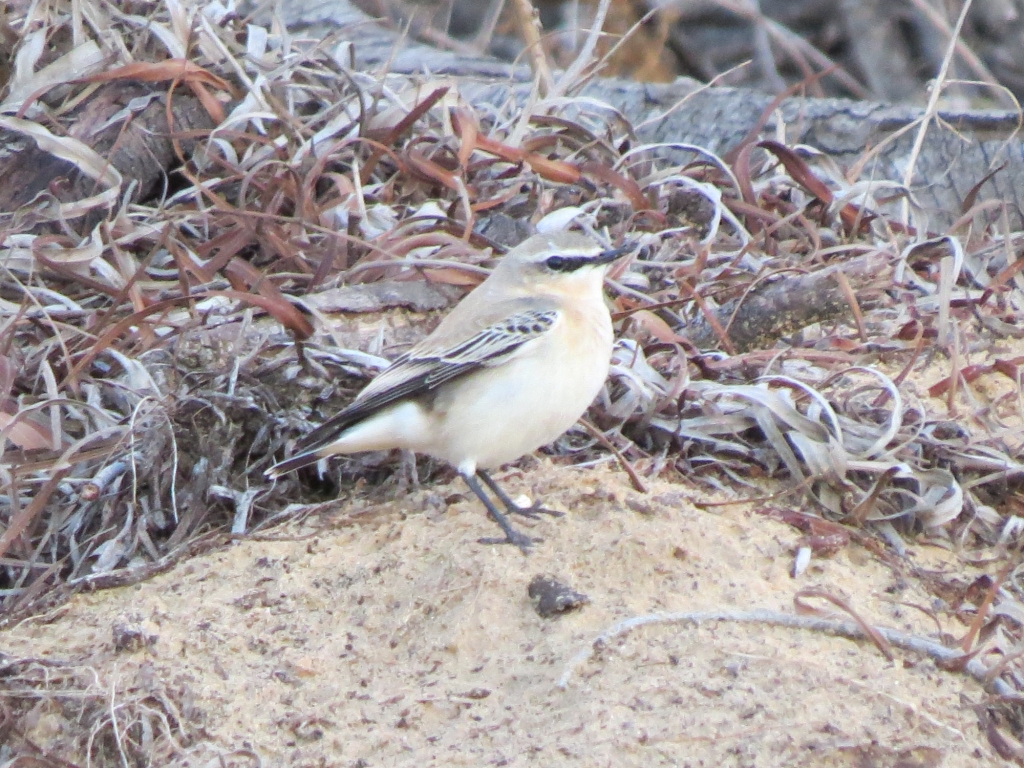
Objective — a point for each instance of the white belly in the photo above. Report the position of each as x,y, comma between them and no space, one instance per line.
495,415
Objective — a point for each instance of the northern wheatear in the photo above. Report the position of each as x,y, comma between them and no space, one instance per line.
511,368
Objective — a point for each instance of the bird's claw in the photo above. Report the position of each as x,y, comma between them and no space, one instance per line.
534,511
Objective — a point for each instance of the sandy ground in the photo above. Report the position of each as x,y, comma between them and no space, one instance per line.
383,634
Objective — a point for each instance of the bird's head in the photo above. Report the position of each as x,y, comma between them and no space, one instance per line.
558,262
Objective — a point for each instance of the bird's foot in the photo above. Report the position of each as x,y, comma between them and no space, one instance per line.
514,537
534,511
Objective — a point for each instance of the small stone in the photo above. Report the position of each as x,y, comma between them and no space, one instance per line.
550,597
132,636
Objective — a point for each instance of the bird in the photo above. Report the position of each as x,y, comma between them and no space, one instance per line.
511,368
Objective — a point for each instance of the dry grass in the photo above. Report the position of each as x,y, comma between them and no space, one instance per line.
872,52
157,352
59,714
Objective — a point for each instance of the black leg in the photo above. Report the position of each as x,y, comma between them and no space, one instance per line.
512,536
533,512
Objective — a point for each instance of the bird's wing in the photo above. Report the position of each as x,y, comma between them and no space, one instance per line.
424,369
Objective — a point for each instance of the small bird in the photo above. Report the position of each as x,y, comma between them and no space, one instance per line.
511,368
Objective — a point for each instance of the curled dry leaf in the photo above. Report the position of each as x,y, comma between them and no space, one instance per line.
27,432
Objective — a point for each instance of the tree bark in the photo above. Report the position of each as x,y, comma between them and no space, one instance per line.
779,308
140,147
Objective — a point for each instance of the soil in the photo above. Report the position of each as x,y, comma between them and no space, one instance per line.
381,633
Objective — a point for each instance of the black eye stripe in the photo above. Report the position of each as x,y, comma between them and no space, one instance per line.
566,263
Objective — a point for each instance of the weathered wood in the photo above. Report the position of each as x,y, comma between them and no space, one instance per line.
955,156
792,302
141,147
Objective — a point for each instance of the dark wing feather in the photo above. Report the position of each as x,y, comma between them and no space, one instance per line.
411,375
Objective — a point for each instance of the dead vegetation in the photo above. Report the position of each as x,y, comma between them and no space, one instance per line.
158,347
58,714
865,50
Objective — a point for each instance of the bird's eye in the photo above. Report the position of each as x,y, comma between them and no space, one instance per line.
557,263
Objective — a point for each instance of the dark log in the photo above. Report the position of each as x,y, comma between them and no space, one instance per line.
953,160
792,302
141,149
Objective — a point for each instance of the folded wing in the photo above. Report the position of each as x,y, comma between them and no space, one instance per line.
418,372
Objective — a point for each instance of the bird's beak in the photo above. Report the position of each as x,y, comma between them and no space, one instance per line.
607,257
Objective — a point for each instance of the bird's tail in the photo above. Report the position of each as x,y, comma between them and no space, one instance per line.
295,462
